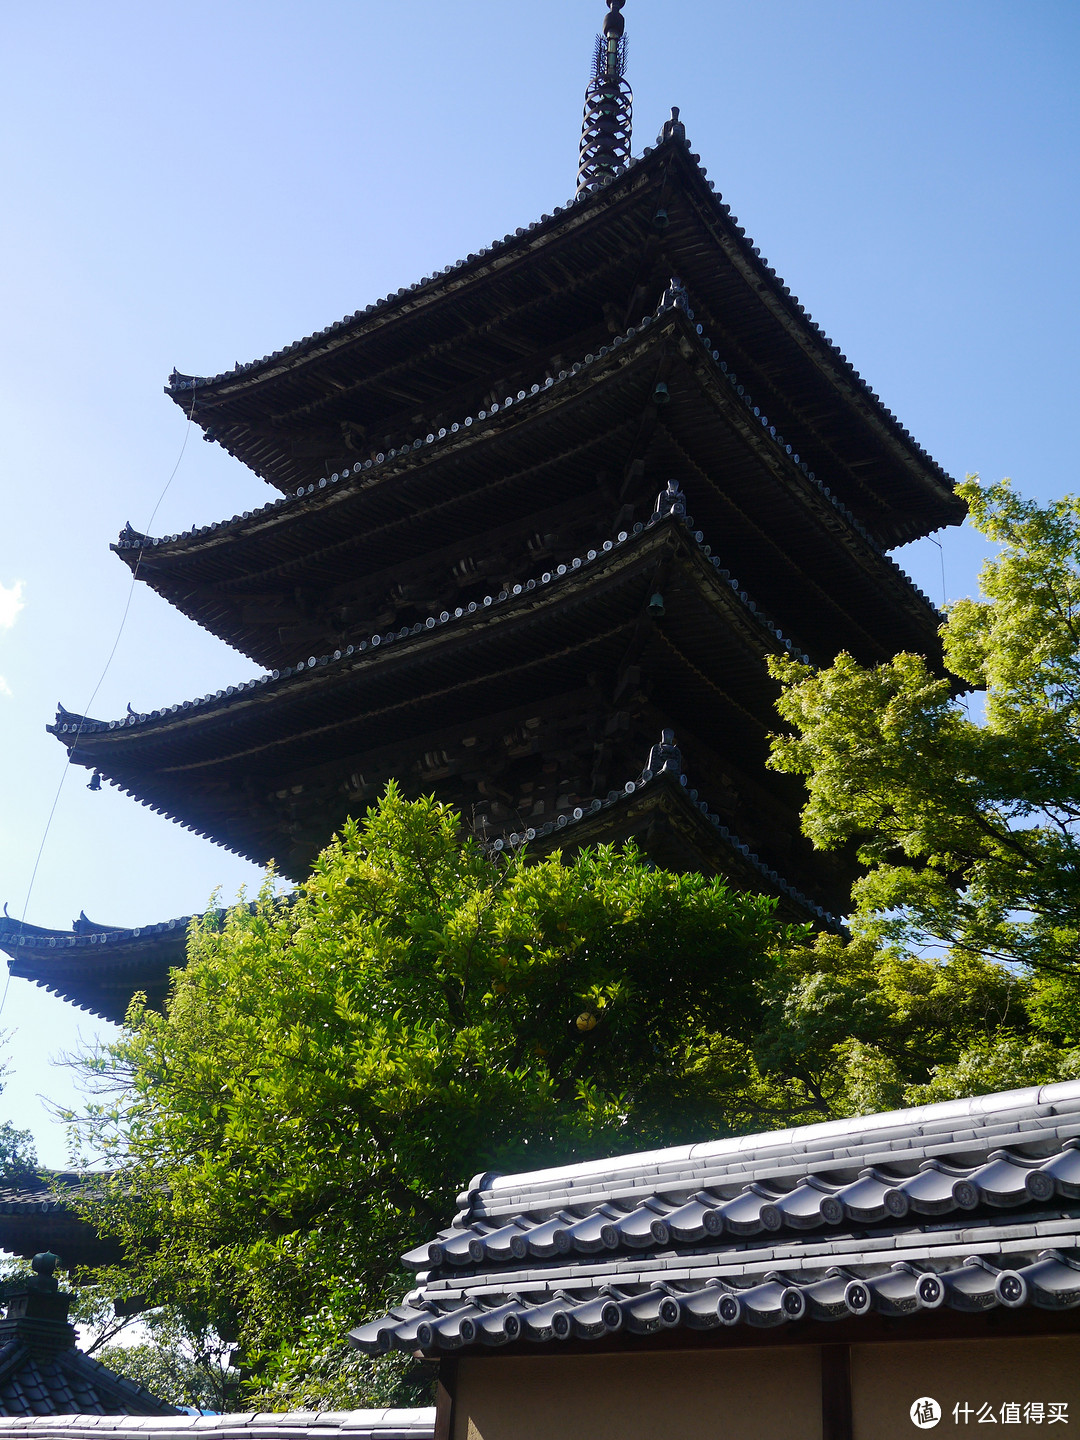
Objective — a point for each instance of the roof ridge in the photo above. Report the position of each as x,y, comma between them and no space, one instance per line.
181,382
674,298
971,1110
674,145
131,540
650,780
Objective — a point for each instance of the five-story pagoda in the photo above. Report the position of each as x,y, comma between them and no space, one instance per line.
540,513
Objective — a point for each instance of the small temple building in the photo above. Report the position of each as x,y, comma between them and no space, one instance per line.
541,519
41,1371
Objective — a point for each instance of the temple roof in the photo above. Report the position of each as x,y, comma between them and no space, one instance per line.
676,828
661,811
488,322
42,1373
203,761
400,524
69,1382
971,1206
36,1215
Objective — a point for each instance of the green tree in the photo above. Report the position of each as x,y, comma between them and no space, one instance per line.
187,1366
968,825
851,1028
18,1157
329,1071
969,828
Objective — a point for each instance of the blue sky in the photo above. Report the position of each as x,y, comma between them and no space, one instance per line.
202,184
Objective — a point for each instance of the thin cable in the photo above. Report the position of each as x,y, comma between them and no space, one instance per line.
100,681
941,557
945,606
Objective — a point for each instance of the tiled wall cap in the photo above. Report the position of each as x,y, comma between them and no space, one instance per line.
862,1127
357,1424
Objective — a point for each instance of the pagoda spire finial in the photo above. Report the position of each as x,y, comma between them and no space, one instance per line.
609,105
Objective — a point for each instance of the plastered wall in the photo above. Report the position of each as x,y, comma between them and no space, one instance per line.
886,1379
767,1393
732,1395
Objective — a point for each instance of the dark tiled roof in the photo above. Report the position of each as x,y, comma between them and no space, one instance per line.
38,1194
41,1372
124,750
98,969
804,343
367,472
599,812
35,1215
970,1204
68,1382
68,724
289,1425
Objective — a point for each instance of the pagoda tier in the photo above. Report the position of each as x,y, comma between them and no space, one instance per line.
520,708
490,325
538,477
100,969
97,967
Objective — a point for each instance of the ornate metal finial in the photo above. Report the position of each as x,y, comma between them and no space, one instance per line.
609,106
43,1265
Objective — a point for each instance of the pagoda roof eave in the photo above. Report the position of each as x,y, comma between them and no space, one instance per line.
695,830
668,818
267,545
70,727
162,759
35,1217
369,477
97,972
760,282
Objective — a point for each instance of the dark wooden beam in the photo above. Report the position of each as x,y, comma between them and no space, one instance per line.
444,1398
836,1392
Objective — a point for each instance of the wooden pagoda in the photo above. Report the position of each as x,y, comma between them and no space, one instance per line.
543,518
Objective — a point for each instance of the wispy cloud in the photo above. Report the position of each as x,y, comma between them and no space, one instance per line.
11,602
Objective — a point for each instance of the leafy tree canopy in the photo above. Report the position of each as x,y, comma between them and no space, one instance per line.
187,1366
969,827
330,1071
18,1158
